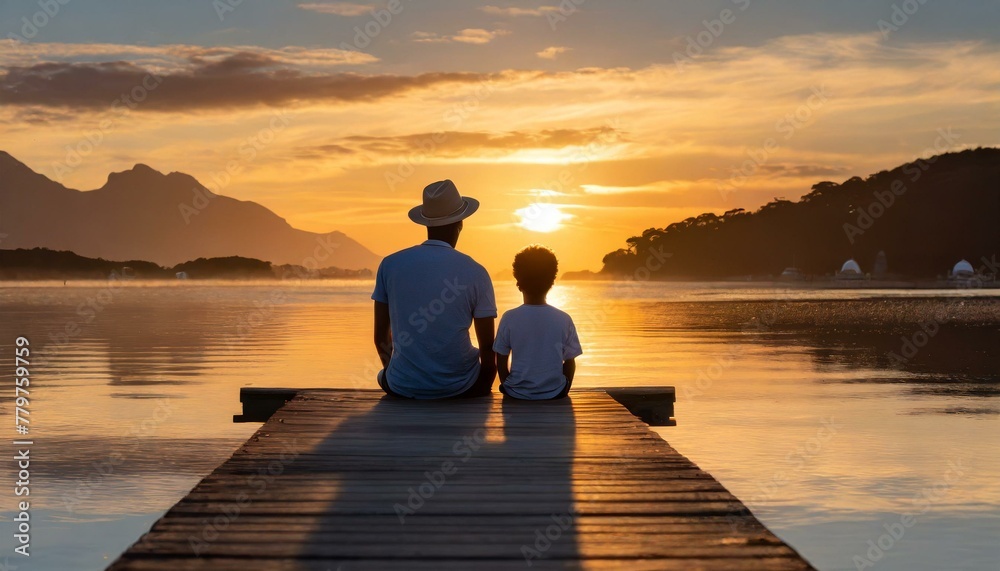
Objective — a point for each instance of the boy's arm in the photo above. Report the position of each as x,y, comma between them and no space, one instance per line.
383,333
502,366
569,369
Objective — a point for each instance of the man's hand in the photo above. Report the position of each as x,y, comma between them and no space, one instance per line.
383,333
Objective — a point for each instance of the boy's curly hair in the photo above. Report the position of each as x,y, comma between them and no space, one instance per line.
535,269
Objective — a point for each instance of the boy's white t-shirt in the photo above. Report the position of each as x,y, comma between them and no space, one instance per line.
538,338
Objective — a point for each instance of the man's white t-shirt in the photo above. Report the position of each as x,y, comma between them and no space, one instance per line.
433,292
538,338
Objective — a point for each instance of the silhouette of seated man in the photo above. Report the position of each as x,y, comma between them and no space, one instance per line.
426,299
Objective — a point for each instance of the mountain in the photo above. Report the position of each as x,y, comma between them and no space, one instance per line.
168,219
925,215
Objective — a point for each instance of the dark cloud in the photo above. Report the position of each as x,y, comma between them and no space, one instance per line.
807,170
239,80
40,116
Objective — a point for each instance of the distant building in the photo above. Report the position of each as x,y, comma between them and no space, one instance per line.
881,268
850,271
792,275
964,275
850,267
962,270
182,275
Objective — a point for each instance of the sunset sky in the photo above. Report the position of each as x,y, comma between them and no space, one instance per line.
577,124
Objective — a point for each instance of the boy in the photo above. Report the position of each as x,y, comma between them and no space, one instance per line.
542,338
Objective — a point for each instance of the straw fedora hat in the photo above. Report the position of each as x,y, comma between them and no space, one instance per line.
443,205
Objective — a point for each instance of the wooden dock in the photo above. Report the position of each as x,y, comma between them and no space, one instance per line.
343,480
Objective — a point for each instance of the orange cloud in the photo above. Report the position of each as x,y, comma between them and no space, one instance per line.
552,52
175,57
513,11
463,144
466,36
346,9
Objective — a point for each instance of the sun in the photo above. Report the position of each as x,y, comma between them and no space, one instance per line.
539,217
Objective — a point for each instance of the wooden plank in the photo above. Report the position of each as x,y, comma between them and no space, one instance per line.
654,547
453,564
350,480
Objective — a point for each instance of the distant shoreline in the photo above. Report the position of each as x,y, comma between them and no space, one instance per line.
102,282
928,286
816,284
42,264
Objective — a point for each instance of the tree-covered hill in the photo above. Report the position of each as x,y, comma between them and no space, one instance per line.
924,215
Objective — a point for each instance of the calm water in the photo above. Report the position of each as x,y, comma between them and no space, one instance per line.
788,397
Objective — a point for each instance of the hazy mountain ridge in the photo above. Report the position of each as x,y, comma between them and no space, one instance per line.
144,214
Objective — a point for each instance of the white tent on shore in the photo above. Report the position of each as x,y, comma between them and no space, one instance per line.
962,269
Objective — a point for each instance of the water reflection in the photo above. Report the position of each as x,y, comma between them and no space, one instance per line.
758,372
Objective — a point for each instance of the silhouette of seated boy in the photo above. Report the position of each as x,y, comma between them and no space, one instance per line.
541,338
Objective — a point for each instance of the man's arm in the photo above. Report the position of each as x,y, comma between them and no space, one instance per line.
485,335
503,362
383,333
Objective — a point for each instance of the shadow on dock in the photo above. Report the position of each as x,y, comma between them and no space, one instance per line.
446,488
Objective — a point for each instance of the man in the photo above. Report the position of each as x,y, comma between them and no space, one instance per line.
426,298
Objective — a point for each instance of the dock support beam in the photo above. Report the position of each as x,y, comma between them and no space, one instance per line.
260,403
653,405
